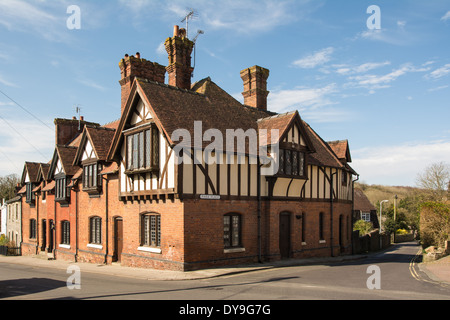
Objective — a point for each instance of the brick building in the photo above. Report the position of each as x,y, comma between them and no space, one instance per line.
178,183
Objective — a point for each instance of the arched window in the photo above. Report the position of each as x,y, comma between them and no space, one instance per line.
232,230
151,230
95,230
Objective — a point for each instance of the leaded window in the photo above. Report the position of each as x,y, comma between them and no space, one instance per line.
65,232
291,163
232,230
143,149
95,230
151,230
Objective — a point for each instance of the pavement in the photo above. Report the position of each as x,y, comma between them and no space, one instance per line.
437,271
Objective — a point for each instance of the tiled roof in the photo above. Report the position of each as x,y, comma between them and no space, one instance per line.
278,122
323,156
361,202
101,140
32,168
66,155
341,149
216,109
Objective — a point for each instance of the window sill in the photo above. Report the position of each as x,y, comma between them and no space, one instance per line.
64,246
150,249
322,241
303,243
233,250
138,171
95,246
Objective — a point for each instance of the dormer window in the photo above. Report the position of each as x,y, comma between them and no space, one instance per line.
62,192
92,180
142,147
31,197
292,163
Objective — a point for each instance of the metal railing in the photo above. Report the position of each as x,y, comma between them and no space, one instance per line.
7,251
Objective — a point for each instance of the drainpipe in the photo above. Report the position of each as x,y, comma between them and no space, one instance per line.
258,184
37,223
106,213
353,210
331,215
76,221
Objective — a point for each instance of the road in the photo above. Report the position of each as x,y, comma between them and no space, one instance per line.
399,278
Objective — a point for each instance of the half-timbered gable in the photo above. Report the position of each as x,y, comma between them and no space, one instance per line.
91,157
61,171
30,181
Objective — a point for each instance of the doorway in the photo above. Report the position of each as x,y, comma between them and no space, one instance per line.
118,239
44,235
51,229
285,235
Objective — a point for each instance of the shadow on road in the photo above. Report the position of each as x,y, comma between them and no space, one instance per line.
21,287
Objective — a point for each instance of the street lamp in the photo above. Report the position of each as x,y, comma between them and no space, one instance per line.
381,209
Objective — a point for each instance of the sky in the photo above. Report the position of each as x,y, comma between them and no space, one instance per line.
376,76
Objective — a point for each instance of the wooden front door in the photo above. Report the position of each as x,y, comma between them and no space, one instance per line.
118,239
285,235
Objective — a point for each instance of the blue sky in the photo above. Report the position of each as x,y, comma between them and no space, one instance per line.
385,90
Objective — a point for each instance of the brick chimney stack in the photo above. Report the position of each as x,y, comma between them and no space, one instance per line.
132,67
179,48
255,87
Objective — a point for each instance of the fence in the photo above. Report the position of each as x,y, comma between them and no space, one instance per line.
370,242
7,251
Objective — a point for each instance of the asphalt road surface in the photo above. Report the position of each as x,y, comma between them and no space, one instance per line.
390,275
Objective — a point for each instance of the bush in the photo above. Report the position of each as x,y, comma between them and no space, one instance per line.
434,224
363,227
402,231
3,240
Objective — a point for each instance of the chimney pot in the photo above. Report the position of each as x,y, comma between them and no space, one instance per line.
175,31
81,118
138,55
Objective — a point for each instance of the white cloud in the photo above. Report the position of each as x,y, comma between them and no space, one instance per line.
373,82
91,84
245,17
316,59
446,16
439,73
16,149
300,98
345,69
398,164
27,16
6,82
437,89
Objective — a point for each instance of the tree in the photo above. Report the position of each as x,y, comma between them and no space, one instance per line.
8,186
435,181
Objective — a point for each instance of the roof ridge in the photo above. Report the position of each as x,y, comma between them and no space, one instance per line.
169,86
277,115
325,144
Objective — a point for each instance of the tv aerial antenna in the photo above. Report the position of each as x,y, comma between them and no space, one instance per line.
78,112
199,32
191,15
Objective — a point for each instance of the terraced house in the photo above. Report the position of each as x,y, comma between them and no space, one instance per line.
172,184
